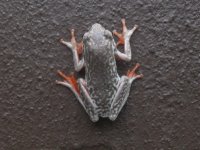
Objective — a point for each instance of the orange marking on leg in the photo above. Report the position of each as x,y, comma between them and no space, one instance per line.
78,46
74,83
120,37
63,75
71,79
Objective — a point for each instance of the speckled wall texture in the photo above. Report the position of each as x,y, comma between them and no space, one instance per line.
163,109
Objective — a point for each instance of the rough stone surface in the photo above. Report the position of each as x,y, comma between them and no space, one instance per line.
163,109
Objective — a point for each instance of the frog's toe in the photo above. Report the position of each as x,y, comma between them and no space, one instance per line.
68,44
64,83
130,32
132,73
112,117
94,118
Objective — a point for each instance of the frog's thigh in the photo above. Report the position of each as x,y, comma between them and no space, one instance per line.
120,97
87,102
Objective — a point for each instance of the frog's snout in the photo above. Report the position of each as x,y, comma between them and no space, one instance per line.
96,27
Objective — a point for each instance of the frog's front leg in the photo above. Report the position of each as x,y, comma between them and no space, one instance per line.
122,94
124,39
80,91
76,48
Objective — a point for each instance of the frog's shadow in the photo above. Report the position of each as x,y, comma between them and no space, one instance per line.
103,121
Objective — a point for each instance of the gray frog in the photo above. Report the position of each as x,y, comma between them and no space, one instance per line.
102,93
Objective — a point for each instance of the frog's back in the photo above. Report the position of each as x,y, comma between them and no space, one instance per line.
101,70
102,79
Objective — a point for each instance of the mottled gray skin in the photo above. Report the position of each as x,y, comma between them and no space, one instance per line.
101,70
102,93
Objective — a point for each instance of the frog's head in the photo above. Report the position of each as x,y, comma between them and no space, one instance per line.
98,38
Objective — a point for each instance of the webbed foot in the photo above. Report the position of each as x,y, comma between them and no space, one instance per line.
132,73
69,81
77,49
125,33
73,44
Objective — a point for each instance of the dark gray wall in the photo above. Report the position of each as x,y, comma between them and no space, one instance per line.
163,109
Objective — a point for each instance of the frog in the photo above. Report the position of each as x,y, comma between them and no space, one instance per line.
102,92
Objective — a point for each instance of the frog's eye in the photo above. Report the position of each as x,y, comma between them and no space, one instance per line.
86,37
108,34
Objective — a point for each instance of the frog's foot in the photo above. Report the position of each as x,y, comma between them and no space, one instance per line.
73,45
77,49
70,82
132,73
124,39
126,34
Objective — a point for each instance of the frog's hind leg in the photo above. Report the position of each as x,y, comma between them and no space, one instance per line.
123,92
81,94
90,107
70,82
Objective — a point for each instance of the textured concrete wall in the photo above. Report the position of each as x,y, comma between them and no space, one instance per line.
163,109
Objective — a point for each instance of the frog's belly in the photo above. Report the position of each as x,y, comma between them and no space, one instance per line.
102,93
